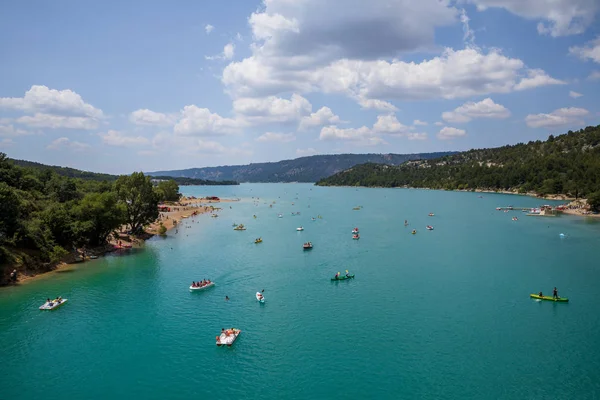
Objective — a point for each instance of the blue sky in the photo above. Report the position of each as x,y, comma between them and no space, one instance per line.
123,86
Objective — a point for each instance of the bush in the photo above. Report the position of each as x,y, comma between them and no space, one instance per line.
162,229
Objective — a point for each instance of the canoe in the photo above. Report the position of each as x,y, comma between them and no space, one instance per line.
53,305
342,278
258,241
195,288
228,340
262,300
549,298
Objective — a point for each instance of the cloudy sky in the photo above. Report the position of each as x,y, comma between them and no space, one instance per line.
145,85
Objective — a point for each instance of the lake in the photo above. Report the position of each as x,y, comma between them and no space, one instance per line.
441,314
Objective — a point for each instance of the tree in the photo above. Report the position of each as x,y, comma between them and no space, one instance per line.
594,201
140,200
168,190
97,216
9,211
162,229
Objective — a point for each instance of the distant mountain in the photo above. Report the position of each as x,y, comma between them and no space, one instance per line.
567,164
94,176
303,169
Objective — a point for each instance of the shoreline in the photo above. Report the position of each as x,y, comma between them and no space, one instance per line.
191,207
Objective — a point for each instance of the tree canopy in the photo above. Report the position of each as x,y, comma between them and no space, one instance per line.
140,200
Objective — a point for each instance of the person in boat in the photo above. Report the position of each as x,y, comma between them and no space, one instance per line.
540,294
555,293
347,274
337,276
226,298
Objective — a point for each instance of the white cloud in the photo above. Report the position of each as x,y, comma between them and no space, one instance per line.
42,99
564,17
448,133
438,123
417,136
560,117
209,28
66,143
276,137
591,51
323,116
535,78
42,120
229,51
5,143
486,108
148,117
116,138
196,121
272,109
417,122
594,76
333,133
212,148
389,124
454,74
239,37
375,104
574,94
11,131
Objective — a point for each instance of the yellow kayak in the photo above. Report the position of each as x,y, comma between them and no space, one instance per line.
549,298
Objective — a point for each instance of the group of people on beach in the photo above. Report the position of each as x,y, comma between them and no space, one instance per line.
203,283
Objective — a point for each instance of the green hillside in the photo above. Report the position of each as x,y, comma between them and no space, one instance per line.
567,164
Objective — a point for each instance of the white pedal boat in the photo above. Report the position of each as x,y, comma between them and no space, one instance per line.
300,229
260,297
225,339
196,288
52,305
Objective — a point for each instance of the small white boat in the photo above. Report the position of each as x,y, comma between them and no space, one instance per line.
196,288
429,227
355,231
279,216
53,304
260,297
228,337
300,229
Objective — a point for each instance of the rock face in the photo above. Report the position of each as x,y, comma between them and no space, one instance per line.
304,169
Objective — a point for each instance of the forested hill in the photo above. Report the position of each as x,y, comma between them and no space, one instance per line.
566,164
304,169
94,176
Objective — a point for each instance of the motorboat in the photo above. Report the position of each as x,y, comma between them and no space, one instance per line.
198,288
307,246
53,304
260,297
429,227
228,337
300,229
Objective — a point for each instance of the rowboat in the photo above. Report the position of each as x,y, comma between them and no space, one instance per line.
197,288
228,337
53,304
549,298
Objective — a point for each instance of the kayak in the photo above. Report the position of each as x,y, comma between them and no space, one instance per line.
549,298
52,305
196,288
342,277
259,297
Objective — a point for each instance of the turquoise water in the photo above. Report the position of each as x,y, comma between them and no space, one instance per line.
443,314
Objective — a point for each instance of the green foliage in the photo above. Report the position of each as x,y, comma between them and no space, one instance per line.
97,216
594,201
162,229
57,253
137,194
566,164
9,212
168,190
